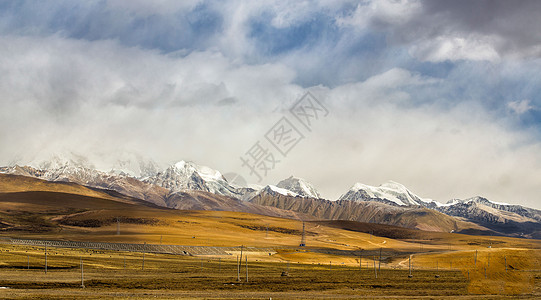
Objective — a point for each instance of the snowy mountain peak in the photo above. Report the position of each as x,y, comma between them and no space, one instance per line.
390,192
299,187
188,168
56,162
134,165
185,175
477,199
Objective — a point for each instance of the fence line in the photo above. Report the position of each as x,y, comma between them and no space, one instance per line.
130,247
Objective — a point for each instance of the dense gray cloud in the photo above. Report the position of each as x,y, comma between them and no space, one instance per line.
480,30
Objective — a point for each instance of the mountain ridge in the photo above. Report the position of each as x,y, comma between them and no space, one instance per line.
187,178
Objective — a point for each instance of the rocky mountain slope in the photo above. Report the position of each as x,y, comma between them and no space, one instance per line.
366,211
186,185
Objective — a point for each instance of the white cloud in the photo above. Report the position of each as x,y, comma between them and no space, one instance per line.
451,48
520,106
387,12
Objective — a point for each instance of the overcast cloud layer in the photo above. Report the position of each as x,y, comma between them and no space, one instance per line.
442,96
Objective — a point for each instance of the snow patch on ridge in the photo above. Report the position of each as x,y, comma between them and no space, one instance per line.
282,191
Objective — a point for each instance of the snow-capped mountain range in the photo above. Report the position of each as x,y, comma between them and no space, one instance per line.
144,179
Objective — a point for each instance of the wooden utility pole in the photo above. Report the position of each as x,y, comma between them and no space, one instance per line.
246,265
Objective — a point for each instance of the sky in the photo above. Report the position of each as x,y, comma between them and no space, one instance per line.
441,96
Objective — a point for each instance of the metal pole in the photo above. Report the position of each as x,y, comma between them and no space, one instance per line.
240,259
117,226
82,274
475,258
303,239
410,264
238,269
379,261
144,250
246,264
375,269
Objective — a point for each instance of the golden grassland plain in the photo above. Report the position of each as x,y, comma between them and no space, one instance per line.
115,274
444,264
311,275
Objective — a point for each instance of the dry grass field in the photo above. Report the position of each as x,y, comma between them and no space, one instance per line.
311,274
444,264
116,274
